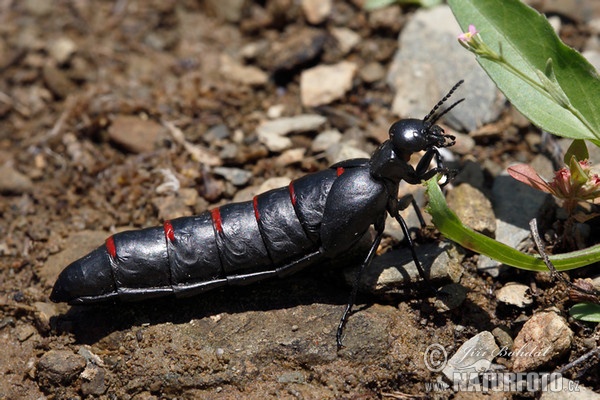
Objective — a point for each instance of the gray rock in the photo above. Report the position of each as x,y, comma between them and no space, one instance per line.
237,176
344,151
392,271
474,356
272,133
59,367
429,61
515,294
325,140
450,297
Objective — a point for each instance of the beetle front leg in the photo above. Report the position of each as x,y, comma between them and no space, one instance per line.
424,173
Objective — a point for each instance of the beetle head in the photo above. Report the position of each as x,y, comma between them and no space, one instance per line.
413,135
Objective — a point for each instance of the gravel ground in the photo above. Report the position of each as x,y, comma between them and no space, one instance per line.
118,115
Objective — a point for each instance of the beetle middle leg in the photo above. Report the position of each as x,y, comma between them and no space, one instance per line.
380,226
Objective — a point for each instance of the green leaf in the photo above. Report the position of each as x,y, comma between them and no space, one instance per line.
578,149
451,227
586,312
528,42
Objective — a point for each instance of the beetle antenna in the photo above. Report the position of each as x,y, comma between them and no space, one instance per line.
440,103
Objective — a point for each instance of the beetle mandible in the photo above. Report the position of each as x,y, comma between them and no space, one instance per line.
317,217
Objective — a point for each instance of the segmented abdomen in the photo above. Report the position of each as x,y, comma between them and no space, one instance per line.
190,255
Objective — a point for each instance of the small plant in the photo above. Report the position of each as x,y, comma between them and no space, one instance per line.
558,91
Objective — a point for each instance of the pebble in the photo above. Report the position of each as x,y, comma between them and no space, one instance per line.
503,337
472,208
135,134
515,294
93,381
372,72
61,49
324,84
325,140
57,82
228,10
272,133
273,183
545,337
290,156
395,269
59,367
346,39
427,65
237,176
474,356
344,151
294,49
244,74
450,297
291,377
14,182
316,11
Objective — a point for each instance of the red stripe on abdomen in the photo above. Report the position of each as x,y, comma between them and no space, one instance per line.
169,232
255,205
292,193
216,217
339,171
110,247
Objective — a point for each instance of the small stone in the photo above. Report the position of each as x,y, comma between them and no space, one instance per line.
326,83
325,140
316,11
291,377
228,10
503,337
244,74
395,269
450,297
372,72
545,337
135,134
93,381
473,208
290,157
237,176
515,294
61,49
344,151
274,183
170,207
346,39
24,332
295,48
14,182
59,367
57,82
271,133
474,356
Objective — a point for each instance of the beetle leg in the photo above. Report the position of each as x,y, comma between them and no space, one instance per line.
340,330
